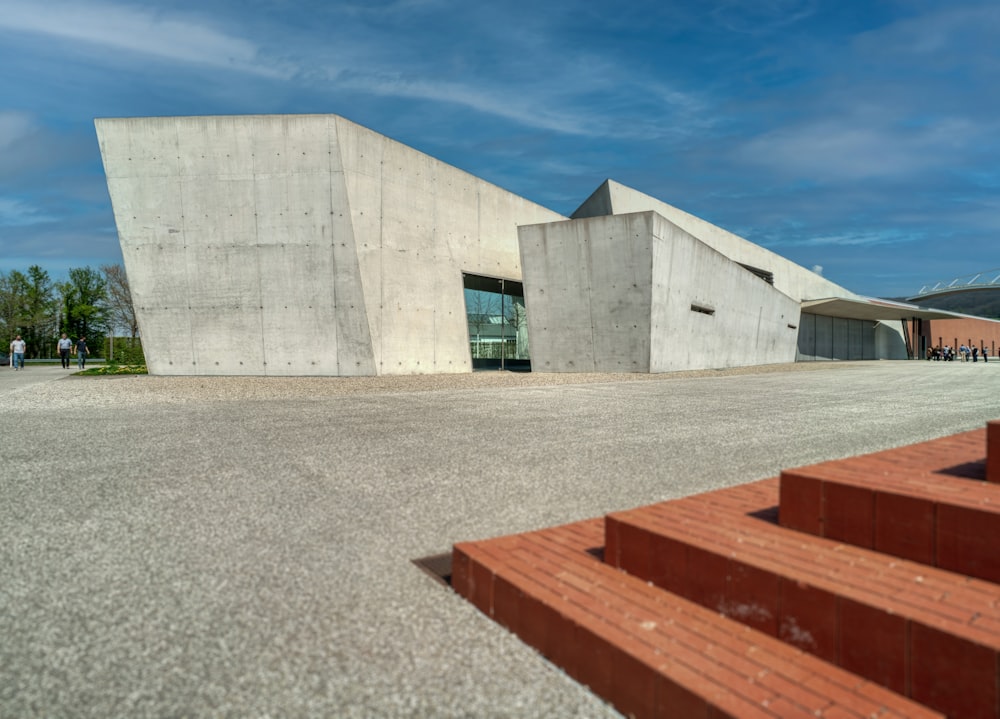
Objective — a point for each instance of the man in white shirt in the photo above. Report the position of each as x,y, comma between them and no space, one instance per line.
17,348
65,345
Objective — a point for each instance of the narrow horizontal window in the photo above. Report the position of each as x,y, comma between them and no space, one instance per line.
792,327
701,308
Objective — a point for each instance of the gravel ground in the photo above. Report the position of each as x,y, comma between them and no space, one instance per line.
194,546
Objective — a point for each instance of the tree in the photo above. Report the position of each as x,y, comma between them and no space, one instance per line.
121,312
38,325
481,308
13,291
517,319
84,297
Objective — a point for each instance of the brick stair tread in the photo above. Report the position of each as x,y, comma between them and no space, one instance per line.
656,646
919,502
937,469
724,524
930,634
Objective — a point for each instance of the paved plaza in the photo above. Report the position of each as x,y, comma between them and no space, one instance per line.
196,546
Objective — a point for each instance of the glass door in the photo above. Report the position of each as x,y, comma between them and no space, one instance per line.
498,327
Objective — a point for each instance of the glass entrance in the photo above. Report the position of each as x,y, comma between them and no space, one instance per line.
498,328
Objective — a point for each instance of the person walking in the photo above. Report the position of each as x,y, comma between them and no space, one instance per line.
17,348
82,352
65,345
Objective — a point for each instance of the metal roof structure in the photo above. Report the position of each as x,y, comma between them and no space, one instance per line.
959,285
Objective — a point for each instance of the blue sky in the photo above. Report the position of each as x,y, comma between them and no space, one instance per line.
859,137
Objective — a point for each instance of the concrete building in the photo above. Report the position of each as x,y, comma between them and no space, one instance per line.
301,245
636,293
309,245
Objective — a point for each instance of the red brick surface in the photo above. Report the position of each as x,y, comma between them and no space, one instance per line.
879,599
870,590
993,451
650,653
925,502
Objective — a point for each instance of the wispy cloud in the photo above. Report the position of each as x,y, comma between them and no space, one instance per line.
542,107
841,150
825,129
490,102
17,213
139,31
614,100
862,239
762,16
891,104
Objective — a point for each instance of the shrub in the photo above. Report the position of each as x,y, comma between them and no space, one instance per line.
127,351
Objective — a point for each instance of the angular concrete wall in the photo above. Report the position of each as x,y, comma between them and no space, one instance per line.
588,294
300,245
636,293
792,279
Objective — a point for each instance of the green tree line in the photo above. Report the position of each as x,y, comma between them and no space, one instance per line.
90,303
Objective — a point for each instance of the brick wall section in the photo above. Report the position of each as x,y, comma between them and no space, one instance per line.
650,653
926,633
955,332
993,452
925,502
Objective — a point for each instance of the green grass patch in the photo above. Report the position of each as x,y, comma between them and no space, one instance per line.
114,369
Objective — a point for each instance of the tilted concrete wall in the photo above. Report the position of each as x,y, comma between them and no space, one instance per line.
300,245
588,294
616,294
791,279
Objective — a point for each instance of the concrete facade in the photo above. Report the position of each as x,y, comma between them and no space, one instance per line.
309,245
636,293
613,198
300,245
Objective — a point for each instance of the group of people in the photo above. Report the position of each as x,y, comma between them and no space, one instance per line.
65,346
947,354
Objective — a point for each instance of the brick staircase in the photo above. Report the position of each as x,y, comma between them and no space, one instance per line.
863,587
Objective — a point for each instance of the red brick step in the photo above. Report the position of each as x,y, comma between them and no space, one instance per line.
921,631
649,652
918,502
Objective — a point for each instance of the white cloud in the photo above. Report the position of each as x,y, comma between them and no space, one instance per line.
520,109
762,16
16,213
611,103
860,238
940,36
625,108
853,148
135,30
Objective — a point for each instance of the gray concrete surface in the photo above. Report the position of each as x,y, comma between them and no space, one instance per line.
793,280
332,249
233,546
618,294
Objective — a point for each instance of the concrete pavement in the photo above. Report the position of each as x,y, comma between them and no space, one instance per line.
31,374
191,546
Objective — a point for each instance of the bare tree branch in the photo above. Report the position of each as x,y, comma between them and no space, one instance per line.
119,300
